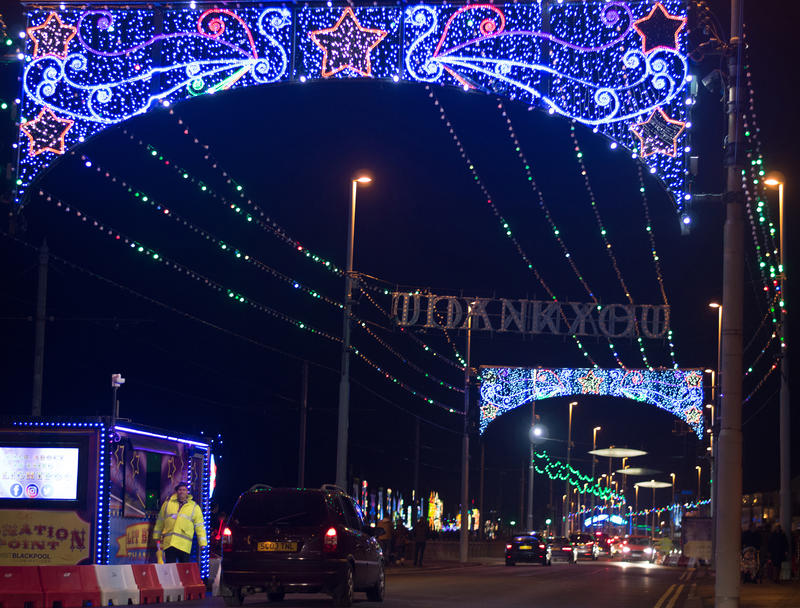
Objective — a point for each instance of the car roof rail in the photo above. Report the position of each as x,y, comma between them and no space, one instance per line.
259,486
332,487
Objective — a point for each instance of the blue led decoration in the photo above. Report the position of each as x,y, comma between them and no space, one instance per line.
680,392
620,68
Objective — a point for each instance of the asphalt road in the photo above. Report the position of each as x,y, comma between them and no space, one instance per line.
600,584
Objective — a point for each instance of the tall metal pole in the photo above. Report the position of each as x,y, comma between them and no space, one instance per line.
784,419
416,472
464,538
480,492
567,525
672,511
529,519
729,467
344,382
594,464
301,461
38,336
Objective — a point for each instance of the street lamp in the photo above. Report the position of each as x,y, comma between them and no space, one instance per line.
344,382
594,464
535,435
672,512
569,452
699,472
776,179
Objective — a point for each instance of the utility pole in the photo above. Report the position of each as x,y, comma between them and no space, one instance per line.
301,461
464,538
529,519
480,492
38,335
729,467
414,509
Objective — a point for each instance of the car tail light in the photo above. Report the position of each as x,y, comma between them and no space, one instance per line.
508,546
590,543
331,541
566,548
227,540
541,546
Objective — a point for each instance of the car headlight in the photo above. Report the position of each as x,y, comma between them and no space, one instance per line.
648,550
626,549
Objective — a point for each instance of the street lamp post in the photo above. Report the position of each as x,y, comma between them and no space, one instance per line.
567,526
777,179
344,382
636,524
464,532
672,511
594,464
699,472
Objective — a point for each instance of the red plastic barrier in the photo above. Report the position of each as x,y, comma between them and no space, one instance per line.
150,590
20,587
193,586
69,586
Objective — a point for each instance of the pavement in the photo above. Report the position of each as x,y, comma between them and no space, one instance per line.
785,594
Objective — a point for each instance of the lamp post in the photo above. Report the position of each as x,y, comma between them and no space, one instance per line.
535,435
699,472
672,511
464,532
776,179
594,464
567,527
636,487
344,382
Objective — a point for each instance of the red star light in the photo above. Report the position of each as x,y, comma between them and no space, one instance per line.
347,45
659,30
590,383
52,37
46,132
659,133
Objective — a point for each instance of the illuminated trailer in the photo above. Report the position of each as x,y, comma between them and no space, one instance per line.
88,490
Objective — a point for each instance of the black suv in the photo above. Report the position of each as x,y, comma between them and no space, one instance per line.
290,540
527,548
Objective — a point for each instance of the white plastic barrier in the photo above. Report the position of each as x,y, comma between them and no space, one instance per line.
117,585
170,582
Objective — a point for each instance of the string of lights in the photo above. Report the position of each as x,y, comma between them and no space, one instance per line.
405,331
687,505
656,259
265,222
761,382
546,210
604,234
503,222
585,484
760,354
232,294
164,211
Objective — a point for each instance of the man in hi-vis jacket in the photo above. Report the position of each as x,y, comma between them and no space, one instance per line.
178,521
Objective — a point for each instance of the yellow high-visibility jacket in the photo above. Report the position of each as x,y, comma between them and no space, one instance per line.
177,524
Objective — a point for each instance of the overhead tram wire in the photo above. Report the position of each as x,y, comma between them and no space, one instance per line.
239,297
208,324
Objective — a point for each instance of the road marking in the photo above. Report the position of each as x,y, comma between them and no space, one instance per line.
664,597
675,597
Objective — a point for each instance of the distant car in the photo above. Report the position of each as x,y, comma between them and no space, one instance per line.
585,545
604,542
638,548
562,550
527,548
290,540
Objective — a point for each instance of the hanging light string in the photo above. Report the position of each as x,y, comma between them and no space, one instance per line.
602,509
259,218
232,294
656,258
405,331
503,222
760,354
604,235
761,382
767,315
165,211
585,484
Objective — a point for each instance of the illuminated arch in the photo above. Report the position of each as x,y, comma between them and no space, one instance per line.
618,67
680,392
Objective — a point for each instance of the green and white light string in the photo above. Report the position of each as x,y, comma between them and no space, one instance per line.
585,484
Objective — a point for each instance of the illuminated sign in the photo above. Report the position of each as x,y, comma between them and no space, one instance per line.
35,537
602,518
39,473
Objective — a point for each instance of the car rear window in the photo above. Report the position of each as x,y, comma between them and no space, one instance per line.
274,507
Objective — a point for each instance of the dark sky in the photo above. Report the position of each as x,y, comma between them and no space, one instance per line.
423,222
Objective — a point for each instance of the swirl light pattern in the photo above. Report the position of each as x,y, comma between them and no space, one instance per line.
609,65
680,392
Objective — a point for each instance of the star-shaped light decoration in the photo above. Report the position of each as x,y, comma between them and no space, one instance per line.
347,45
52,37
135,463
119,454
693,415
659,133
694,380
46,132
590,383
488,412
659,30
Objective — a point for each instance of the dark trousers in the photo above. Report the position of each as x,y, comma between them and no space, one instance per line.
173,555
419,551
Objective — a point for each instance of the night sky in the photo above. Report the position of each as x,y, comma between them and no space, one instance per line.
195,360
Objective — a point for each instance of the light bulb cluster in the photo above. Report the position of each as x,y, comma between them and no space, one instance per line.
505,226
585,484
679,392
609,66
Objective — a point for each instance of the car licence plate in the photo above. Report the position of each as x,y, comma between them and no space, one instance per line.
525,547
275,546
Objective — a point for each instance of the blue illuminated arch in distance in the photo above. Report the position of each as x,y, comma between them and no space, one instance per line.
680,392
619,68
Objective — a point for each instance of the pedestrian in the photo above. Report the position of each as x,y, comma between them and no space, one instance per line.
400,538
179,519
386,538
778,548
421,531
